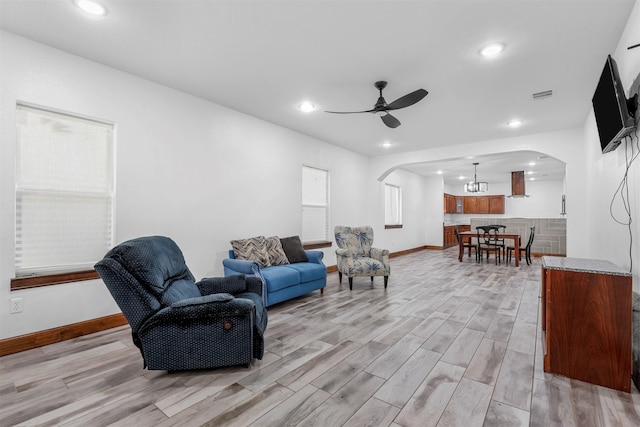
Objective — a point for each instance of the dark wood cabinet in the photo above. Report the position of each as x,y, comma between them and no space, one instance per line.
449,237
496,204
449,203
484,204
469,204
586,321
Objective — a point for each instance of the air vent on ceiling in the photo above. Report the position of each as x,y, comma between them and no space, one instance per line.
543,94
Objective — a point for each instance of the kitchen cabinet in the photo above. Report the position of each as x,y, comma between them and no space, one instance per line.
452,204
449,237
496,204
469,204
484,204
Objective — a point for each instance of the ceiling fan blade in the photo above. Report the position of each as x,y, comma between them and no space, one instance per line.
349,112
390,121
407,100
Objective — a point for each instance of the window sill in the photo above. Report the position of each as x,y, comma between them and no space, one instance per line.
389,226
52,279
317,245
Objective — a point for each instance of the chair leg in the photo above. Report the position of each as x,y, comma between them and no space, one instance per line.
350,283
386,280
339,277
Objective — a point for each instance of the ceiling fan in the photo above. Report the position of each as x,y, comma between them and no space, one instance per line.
382,108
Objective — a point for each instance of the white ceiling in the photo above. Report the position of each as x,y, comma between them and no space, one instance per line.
264,58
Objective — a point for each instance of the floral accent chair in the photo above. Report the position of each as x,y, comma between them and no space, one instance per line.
356,257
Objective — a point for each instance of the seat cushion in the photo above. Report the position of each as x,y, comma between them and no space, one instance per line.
364,266
309,271
279,277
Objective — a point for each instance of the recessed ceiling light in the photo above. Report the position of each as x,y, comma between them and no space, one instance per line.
387,144
514,123
529,172
532,179
461,177
491,50
532,163
92,7
307,107
439,172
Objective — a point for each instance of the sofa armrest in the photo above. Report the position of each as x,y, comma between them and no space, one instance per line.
240,266
315,256
254,284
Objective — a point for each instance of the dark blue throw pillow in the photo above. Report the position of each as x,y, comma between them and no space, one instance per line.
293,249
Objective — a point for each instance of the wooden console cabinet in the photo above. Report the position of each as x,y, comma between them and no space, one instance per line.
586,321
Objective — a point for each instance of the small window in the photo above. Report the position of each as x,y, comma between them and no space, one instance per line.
315,205
64,192
392,206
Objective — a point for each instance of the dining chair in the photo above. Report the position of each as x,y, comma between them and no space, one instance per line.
500,240
470,244
526,249
488,242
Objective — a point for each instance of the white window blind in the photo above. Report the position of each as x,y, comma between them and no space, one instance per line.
315,204
392,205
64,192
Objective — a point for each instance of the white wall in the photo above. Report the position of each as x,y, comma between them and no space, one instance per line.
414,203
186,168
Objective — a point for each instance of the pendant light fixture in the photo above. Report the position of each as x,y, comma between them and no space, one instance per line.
475,186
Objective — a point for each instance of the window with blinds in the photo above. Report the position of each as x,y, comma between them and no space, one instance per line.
392,205
315,205
64,192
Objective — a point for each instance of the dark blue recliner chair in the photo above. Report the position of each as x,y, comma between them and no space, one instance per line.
179,324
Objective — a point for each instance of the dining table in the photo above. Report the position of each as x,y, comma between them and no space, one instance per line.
466,236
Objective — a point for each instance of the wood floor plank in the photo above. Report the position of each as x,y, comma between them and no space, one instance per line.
373,413
403,383
468,405
293,410
501,415
345,402
432,397
514,384
486,362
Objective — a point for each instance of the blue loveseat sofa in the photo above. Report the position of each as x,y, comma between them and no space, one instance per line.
301,274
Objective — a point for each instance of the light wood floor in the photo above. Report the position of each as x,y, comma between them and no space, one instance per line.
448,344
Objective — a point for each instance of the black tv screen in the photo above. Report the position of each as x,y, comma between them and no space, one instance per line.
610,108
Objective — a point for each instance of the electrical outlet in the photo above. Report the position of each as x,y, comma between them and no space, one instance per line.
16,305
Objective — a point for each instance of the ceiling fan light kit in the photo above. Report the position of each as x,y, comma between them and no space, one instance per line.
381,108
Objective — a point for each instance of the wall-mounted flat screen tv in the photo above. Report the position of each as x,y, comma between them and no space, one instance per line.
610,108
